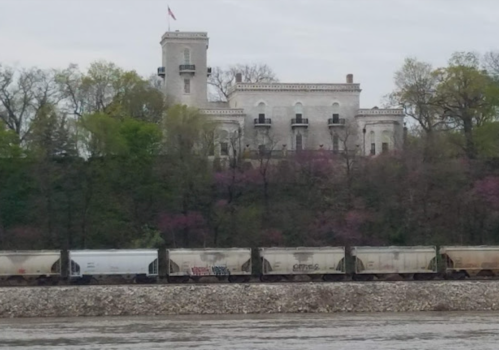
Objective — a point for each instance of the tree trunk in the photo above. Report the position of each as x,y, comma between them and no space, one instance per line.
468,135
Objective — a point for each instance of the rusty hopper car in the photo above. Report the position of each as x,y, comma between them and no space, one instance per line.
327,263
461,262
419,262
24,266
233,264
138,265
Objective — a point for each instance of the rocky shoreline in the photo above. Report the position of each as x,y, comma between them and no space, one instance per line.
134,300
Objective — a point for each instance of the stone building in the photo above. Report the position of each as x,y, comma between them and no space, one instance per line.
280,118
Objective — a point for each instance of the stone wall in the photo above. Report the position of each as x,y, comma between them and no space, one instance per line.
248,298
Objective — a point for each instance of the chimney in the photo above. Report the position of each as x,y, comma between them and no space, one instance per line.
239,77
349,78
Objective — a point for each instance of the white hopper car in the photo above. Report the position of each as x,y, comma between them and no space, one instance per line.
419,262
139,265
233,264
461,262
327,263
21,266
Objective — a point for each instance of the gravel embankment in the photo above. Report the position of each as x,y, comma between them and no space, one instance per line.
249,298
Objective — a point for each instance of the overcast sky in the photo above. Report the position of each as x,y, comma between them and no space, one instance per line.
316,41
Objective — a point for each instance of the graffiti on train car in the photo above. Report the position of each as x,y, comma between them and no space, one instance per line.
305,267
220,270
200,271
207,271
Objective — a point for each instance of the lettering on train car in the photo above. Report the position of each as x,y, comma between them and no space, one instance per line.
305,267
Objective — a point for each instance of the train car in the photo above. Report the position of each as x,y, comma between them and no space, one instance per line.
327,263
461,262
22,267
233,264
130,265
419,262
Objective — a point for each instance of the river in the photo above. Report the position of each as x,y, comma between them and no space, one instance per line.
477,331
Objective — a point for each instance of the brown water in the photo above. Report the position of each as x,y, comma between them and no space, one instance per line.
421,331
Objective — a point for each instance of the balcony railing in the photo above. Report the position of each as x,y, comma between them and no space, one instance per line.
336,121
187,68
263,122
299,122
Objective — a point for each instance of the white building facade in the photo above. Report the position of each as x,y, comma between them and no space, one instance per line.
277,117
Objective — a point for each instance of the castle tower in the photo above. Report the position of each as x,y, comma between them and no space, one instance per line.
184,67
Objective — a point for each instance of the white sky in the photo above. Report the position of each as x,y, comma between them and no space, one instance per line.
302,40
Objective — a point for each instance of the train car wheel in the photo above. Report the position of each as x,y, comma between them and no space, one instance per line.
333,278
17,281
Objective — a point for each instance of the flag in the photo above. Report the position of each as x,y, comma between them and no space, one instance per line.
171,13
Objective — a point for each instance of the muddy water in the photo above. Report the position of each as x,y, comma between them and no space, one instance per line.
477,331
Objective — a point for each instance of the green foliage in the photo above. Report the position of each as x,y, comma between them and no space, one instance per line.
9,143
487,140
103,163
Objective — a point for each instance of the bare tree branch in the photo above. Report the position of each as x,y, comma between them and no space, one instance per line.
222,79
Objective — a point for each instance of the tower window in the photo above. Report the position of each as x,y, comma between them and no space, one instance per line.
187,56
336,118
187,86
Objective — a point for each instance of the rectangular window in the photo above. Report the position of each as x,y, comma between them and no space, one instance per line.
261,118
187,86
224,149
336,143
298,118
336,118
373,149
384,147
299,142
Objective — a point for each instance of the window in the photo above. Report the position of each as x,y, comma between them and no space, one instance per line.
372,138
336,118
187,86
384,147
298,112
299,142
224,149
386,140
187,56
336,143
261,118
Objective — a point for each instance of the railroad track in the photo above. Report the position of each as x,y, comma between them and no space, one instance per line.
254,282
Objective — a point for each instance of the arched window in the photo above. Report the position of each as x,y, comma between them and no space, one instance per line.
187,56
386,141
372,138
336,113
298,112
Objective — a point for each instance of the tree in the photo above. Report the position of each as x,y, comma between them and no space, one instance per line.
23,92
416,84
467,96
106,88
222,79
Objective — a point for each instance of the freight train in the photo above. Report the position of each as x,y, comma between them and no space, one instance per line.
235,265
